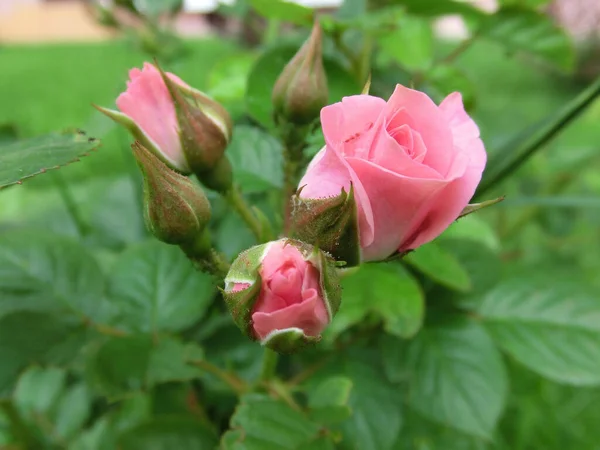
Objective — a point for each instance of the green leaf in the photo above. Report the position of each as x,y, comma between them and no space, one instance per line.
417,56
169,433
257,159
263,423
228,79
504,161
29,157
266,70
520,29
328,402
434,8
73,410
440,266
475,229
375,404
444,79
388,291
457,377
135,363
27,337
284,10
154,287
38,389
549,324
44,272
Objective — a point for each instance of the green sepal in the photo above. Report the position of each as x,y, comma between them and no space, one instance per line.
141,137
245,269
203,140
329,223
477,206
289,340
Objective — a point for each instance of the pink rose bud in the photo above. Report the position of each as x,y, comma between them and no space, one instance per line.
301,90
413,166
283,293
182,126
175,209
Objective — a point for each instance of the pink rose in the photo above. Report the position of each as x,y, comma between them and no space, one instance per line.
148,103
290,295
414,166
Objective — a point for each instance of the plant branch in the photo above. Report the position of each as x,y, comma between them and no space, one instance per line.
269,364
18,426
236,384
235,198
70,203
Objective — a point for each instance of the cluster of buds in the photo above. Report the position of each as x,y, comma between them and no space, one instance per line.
179,131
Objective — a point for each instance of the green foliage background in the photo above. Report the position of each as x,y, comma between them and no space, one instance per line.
488,338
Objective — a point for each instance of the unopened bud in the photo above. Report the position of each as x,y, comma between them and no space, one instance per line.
301,90
205,127
283,293
175,209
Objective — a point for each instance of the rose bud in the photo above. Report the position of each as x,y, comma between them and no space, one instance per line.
182,126
413,166
283,293
175,209
301,90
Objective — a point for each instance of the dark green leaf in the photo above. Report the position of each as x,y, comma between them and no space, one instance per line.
154,287
520,29
457,377
169,433
266,71
386,290
506,160
328,402
45,272
263,423
550,325
440,266
27,337
257,159
135,363
283,10
25,158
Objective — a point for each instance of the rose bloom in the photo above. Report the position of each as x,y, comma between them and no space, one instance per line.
148,103
290,294
413,165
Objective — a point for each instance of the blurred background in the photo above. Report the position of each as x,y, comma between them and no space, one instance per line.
516,62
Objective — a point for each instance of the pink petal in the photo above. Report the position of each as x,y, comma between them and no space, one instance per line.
277,254
310,316
351,120
395,201
448,203
325,177
423,115
148,103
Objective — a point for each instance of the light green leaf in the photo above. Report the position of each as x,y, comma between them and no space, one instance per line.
38,389
328,402
157,7
520,29
257,159
135,363
263,423
475,229
444,79
457,377
29,157
169,433
434,8
549,324
154,287
44,272
73,411
440,266
386,290
266,70
228,79
284,10
417,56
